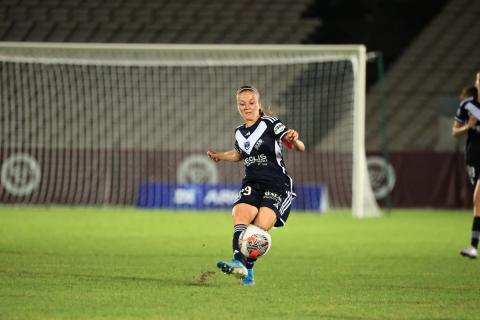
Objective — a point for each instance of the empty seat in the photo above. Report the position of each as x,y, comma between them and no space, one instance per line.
12,3
145,35
104,32
121,15
83,33
101,15
5,29
40,32
94,3
17,14
18,31
82,16
40,14
61,31
126,33
143,15
3,13
60,14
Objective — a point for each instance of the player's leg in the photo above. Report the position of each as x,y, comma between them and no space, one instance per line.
244,211
274,211
265,219
471,252
243,215
476,200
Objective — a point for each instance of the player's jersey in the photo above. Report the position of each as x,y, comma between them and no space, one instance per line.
261,150
472,147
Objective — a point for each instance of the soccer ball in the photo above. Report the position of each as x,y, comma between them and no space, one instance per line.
254,242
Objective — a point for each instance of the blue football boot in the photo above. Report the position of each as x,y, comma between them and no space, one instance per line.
249,280
234,267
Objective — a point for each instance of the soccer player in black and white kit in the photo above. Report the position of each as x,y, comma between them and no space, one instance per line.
467,122
267,191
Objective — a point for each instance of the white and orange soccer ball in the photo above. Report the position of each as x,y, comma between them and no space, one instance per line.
254,242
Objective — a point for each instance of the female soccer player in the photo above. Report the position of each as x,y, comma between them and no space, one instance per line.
466,123
267,191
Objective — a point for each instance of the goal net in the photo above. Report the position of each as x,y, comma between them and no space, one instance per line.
131,124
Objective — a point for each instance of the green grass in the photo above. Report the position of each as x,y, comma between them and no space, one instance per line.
85,263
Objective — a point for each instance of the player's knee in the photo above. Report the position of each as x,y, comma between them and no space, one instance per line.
243,213
264,225
265,219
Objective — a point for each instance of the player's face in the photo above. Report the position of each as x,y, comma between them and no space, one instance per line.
248,106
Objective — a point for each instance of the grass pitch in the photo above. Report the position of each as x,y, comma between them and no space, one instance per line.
84,263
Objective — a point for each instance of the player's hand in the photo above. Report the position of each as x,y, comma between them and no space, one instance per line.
472,122
291,136
213,155
292,141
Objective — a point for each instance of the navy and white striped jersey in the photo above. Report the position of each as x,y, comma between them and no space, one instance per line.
261,149
472,147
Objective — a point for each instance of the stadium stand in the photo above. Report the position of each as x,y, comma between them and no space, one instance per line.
437,64
152,21
156,21
442,48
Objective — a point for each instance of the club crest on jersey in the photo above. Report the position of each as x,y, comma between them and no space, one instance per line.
247,145
279,127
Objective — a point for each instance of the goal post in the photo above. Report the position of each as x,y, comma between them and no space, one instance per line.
363,200
115,124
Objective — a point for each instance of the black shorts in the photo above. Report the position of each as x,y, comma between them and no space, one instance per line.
473,171
280,201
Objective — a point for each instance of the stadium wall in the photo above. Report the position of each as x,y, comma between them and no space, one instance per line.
73,176
423,179
113,177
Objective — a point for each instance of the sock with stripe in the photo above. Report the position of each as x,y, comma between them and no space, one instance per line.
249,263
475,231
237,230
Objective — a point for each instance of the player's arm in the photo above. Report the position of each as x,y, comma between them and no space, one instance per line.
231,155
459,128
291,140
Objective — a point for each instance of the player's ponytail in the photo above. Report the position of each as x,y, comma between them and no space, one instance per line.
469,92
266,113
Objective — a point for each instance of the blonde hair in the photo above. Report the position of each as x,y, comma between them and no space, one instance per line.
267,112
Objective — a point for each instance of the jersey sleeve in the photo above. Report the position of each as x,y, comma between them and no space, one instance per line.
473,109
277,128
462,114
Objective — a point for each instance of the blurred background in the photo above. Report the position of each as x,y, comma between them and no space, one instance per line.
421,55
